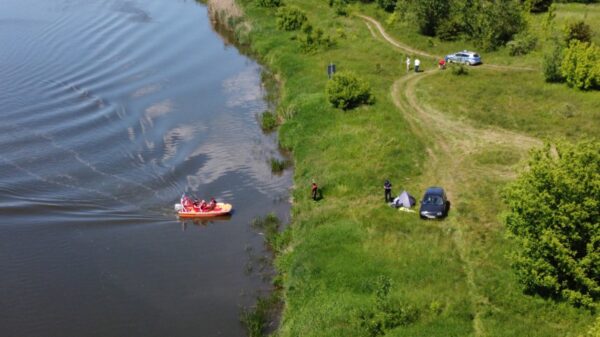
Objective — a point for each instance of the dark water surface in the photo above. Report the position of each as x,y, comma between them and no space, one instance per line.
109,110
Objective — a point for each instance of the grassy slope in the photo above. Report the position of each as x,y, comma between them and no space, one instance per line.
344,242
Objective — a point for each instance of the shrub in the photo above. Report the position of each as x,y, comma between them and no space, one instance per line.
522,44
312,39
551,64
290,18
581,65
386,313
554,211
579,31
459,69
346,91
269,3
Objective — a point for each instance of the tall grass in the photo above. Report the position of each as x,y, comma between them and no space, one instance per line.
268,121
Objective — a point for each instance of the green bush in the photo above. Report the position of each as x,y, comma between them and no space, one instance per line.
579,31
522,44
313,39
552,63
386,313
269,3
554,212
581,65
459,69
290,18
346,91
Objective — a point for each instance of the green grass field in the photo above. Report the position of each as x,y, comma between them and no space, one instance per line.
452,275
519,101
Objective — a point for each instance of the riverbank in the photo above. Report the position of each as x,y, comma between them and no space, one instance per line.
355,267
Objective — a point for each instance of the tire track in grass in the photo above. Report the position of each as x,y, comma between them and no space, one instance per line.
450,145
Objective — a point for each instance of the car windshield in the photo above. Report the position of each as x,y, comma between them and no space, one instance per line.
433,200
475,55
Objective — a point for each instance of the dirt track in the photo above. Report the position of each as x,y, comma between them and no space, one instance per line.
451,144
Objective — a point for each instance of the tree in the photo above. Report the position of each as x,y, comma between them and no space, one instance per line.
346,91
387,5
496,22
430,14
554,215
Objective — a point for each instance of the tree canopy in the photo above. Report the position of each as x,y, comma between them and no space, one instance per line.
489,23
554,214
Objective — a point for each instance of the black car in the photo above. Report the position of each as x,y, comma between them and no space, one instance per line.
434,205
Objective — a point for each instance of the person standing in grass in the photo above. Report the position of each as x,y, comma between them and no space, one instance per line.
442,64
417,64
387,187
407,63
314,191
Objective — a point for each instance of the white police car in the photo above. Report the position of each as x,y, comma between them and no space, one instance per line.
464,57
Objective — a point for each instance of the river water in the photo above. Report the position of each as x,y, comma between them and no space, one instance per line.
109,110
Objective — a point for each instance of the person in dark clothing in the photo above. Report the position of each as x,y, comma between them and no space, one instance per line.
387,186
314,191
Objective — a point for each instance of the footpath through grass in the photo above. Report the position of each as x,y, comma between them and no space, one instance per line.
447,278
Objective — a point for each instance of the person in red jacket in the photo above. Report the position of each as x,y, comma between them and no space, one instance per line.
212,205
203,205
314,191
